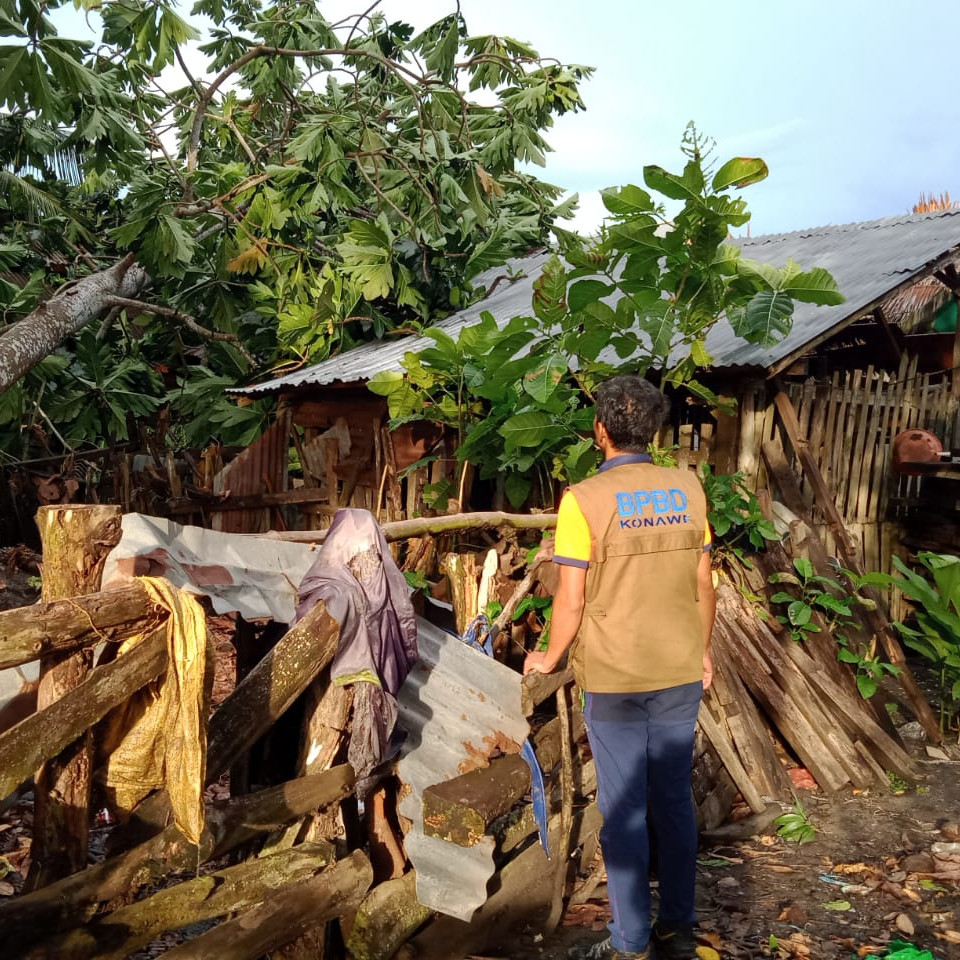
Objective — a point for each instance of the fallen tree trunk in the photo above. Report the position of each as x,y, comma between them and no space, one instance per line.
45,734
118,934
286,917
421,526
24,344
59,626
75,900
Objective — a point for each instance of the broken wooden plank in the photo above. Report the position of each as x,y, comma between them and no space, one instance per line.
875,618
287,916
536,687
724,747
461,810
59,626
43,735
76,899
116,935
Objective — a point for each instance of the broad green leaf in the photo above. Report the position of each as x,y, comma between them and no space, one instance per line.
584,292
543,381
766,320
699,355
804,567
517,488
740,172
799,613
669,184
866,685
816,286
626,200
528,429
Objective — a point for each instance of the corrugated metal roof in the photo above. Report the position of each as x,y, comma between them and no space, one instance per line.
868,260
455,704
509,298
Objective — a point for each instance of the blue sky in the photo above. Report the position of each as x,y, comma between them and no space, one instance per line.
851,103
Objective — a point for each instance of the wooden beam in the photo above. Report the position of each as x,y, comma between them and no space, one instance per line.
421,526
461,810
59,626
116,935
881,320
42,736
290,914
76,541
76,899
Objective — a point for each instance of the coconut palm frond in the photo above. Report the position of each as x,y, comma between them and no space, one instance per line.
36,198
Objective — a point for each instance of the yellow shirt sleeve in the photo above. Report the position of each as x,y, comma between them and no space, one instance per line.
573,534
707,538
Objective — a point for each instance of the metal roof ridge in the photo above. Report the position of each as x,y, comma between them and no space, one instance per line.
849,227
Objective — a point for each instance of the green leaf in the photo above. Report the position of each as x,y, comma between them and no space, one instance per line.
541,382
669,184
804,567
866,685
815,286
766,320
799,613
627,200
517,488
740,172
838,905
584,292
845,655
527,429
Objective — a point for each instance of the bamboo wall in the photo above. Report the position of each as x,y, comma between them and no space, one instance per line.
849,423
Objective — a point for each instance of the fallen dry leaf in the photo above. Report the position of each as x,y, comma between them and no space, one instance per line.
794,914
713,939
950,936
6,889
780,868
707,953
904,924
869,951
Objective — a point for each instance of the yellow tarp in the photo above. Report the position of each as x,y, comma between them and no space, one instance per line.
159,737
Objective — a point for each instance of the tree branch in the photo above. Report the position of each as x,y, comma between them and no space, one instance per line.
189,322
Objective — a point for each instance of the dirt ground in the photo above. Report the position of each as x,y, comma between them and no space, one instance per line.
867,879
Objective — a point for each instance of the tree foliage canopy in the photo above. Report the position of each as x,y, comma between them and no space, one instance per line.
315,185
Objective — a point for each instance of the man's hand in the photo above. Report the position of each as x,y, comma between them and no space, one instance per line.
536,662
707,671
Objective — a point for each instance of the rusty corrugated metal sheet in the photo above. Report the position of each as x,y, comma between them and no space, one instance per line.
456,705
261,468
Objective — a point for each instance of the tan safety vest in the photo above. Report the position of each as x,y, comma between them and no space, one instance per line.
641,626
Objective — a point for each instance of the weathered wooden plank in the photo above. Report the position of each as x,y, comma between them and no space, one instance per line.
723,744
45,734
116,935
536,687
59,626
73,901
286,917
461,810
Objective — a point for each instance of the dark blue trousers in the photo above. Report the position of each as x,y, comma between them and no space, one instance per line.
642,746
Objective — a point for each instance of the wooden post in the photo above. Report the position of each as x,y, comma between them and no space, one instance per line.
76,541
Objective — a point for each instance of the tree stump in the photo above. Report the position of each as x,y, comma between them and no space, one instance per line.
76,541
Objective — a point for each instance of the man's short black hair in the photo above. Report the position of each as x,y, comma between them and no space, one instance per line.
632,410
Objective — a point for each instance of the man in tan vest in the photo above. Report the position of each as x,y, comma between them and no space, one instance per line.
636,601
